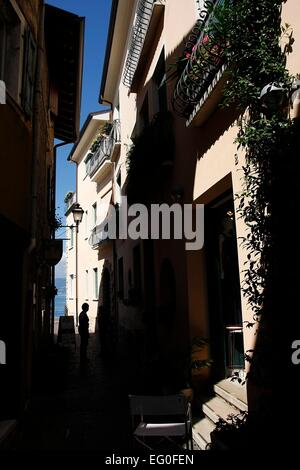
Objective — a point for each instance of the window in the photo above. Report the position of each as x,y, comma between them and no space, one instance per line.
94,214
10,48
95,271
72,286
86,285
29,72
71,237
17,56
121,278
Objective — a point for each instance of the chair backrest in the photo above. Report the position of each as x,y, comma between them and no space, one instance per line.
158,405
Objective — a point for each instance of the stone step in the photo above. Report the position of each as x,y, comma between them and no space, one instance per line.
201,432
233,393
217,408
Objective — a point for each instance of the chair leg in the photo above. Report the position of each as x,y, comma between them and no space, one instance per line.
143,443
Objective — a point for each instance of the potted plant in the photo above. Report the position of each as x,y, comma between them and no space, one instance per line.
68,196
199,361
196,366
230,433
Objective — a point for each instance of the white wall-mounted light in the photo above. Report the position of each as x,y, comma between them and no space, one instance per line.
273,96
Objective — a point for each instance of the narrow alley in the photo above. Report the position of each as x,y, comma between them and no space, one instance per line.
79,408
148,195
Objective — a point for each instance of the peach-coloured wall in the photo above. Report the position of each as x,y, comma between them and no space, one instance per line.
88,193
204,167
291,16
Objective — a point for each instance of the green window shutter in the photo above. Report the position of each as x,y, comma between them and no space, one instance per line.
28,73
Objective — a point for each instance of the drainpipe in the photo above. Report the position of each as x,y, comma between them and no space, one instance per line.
36,139
36,130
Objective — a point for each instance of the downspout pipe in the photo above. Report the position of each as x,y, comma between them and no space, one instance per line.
36,129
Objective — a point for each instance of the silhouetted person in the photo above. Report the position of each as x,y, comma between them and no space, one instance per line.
83,330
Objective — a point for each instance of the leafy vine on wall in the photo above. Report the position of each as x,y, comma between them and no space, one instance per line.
251,35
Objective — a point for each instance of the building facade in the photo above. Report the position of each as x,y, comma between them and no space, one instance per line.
179,146
94,156
41,50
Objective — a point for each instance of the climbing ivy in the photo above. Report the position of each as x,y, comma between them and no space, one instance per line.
250,34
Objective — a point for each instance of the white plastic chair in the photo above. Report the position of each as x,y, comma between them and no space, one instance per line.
166,416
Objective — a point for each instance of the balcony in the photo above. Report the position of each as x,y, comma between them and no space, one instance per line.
99,236
70,199
107,151
148,16
199,88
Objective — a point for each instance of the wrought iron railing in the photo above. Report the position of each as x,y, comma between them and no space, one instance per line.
140,28
105,149
69,203
205,59
99,235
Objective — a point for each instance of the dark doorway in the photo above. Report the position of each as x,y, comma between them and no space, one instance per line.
105,325
225,315
167,307
106,293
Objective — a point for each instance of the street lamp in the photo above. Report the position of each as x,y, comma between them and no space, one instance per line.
77,212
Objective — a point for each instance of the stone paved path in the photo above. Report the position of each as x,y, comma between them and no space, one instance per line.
76,408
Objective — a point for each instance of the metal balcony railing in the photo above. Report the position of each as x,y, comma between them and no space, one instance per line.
205,60
140,28
98,236
105,150
71,200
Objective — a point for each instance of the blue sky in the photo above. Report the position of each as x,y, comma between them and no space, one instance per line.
96,13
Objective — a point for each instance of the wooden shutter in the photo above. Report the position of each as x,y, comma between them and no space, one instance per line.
28,73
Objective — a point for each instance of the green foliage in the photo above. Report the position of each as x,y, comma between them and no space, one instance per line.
250,33
55,221
68,196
